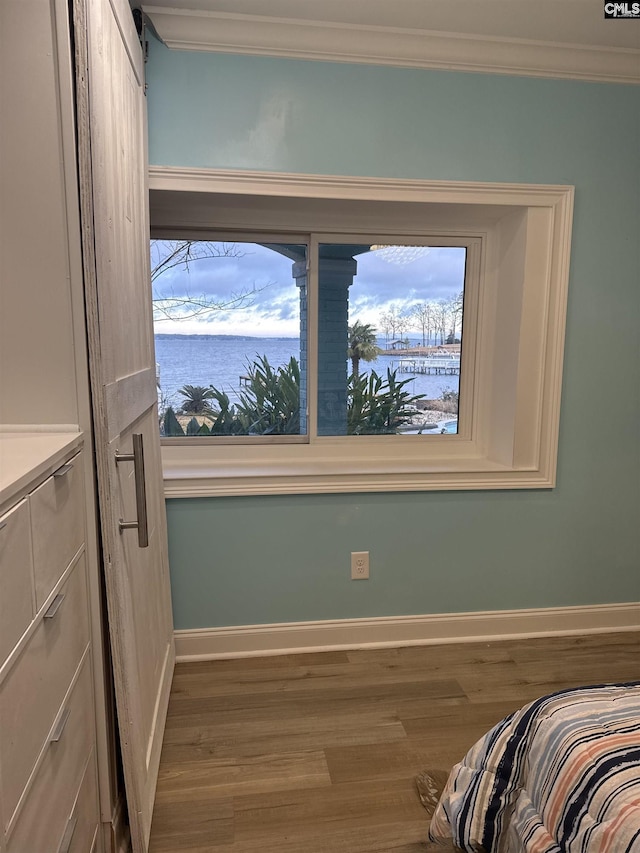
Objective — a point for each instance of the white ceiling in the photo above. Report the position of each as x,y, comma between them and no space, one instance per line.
574,22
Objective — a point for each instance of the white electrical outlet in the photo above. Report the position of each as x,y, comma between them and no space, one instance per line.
359,565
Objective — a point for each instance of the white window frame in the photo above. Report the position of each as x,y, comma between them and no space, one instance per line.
510,438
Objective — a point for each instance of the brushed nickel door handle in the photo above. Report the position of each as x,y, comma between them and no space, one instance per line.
63,469
56,734
142,524
53,608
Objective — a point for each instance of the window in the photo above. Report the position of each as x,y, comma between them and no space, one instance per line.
393,311
228,318
233,337
335,240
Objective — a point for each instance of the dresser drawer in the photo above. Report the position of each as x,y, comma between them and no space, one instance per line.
31,693
52,800
16,577
83,824
57,525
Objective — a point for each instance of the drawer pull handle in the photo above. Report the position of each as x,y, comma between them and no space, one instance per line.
64,469
53,608
137,457
56,734
65,844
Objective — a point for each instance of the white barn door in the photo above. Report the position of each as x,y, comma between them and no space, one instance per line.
114,201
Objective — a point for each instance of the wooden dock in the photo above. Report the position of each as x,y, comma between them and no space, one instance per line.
444,365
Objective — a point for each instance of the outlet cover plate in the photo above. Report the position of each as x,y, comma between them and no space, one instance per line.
359,565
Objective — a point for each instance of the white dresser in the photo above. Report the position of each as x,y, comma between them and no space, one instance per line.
48,770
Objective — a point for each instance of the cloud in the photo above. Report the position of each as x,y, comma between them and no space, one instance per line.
271,306
233,268
437,275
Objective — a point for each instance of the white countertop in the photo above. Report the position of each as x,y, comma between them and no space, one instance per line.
29,456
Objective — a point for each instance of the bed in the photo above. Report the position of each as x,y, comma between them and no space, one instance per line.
561,774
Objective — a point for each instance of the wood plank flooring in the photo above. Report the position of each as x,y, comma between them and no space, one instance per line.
317,753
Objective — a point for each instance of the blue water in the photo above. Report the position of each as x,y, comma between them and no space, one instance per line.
220,360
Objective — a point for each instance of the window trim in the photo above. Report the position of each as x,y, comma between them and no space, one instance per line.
526,233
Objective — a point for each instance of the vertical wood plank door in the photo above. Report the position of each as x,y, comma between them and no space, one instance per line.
112,155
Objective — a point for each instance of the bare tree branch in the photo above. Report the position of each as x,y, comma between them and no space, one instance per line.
168,254
180,254
186,306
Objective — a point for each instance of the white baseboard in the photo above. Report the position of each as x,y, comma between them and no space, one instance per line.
291,637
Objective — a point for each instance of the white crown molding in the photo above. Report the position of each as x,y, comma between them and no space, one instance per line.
431,629
339,42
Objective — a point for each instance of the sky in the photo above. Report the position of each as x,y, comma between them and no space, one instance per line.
386,279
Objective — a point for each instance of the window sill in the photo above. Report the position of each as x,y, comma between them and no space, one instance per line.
188,474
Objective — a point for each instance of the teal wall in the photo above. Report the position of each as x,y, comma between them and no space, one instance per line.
278,559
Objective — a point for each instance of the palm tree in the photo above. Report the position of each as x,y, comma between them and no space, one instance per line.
196,400
362,345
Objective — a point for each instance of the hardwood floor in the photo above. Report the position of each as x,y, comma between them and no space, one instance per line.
317,753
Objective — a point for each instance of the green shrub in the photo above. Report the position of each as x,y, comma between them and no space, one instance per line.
170,424
270,400
377,406
196,399
269,404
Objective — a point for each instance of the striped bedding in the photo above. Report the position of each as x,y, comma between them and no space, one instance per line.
562,774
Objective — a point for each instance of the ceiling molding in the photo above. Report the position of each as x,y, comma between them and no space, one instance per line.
339,42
